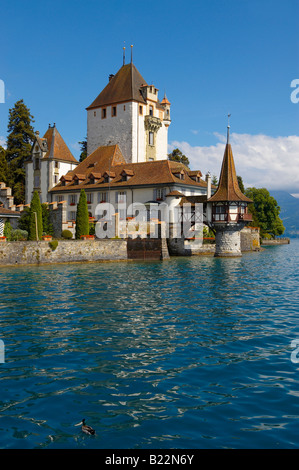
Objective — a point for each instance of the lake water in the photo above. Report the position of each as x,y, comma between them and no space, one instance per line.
187,353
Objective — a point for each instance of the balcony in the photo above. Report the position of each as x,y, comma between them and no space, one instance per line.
226,217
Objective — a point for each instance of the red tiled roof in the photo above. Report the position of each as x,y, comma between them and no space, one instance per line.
110,160
8,212
124,86
57,148
228,187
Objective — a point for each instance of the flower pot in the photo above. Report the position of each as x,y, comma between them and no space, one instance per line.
2,239
47,238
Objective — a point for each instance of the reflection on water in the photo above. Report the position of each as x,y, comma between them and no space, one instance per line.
188,353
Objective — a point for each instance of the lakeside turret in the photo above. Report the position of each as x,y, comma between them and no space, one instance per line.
229,208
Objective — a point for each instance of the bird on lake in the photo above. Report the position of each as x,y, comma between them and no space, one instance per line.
85,428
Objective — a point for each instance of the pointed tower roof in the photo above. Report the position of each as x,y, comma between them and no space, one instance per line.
124,86
165,100
57,148
228,187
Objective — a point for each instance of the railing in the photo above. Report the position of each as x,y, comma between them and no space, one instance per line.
231,217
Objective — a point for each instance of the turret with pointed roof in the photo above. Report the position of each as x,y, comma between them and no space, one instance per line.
229,207
50,159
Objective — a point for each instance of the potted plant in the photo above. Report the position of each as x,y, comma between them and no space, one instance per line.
47,238
2,239
87,237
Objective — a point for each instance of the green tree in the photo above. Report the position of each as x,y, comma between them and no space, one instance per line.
47,225
24,220
19,142
35,208
82,218
3,166
265,212
241,184
7,230
177,156
214,180
83,153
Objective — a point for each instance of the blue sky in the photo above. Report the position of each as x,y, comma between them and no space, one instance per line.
210,57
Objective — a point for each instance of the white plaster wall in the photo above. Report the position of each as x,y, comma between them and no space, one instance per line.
45,171
111,130
162,142
29,182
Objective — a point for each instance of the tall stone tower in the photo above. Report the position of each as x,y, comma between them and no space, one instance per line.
229,208
128,113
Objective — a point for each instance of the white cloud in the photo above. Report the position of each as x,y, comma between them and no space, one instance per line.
2,141
261,160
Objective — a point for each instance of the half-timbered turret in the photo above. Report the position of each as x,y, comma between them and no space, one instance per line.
229,208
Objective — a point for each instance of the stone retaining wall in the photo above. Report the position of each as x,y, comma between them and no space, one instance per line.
67,251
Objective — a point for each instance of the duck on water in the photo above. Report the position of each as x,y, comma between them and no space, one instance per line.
85,428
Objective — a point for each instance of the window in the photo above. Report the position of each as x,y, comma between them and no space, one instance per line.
113,111
56,164
55,179
72,215
89,197
72,199
94,113
160,194
104,113
36,181
124,107
36,164
151,138
102,197
151,111
140,110
121,197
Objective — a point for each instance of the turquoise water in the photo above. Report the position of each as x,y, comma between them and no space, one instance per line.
187,353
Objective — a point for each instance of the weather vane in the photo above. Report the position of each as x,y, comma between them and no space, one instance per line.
228,127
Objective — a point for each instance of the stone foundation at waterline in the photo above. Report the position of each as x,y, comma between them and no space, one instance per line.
67,251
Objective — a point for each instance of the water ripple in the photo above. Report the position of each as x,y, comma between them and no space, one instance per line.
190,353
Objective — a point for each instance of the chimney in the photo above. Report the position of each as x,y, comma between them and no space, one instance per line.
209,188
111,76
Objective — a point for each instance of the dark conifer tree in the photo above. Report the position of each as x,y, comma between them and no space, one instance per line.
83,153
19,142
3,166
35,207
82,218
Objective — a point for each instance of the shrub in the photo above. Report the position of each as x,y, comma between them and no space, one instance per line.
17,235
67,234
53,244
7,230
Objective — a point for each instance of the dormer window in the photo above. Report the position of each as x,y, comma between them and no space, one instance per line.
126,175
179,174
94,177
78,178
108,176
65,179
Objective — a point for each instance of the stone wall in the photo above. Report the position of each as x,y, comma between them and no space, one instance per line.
228,241
67,251
277,241
250,239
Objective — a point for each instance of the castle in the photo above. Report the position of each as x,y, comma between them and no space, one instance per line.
127,164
